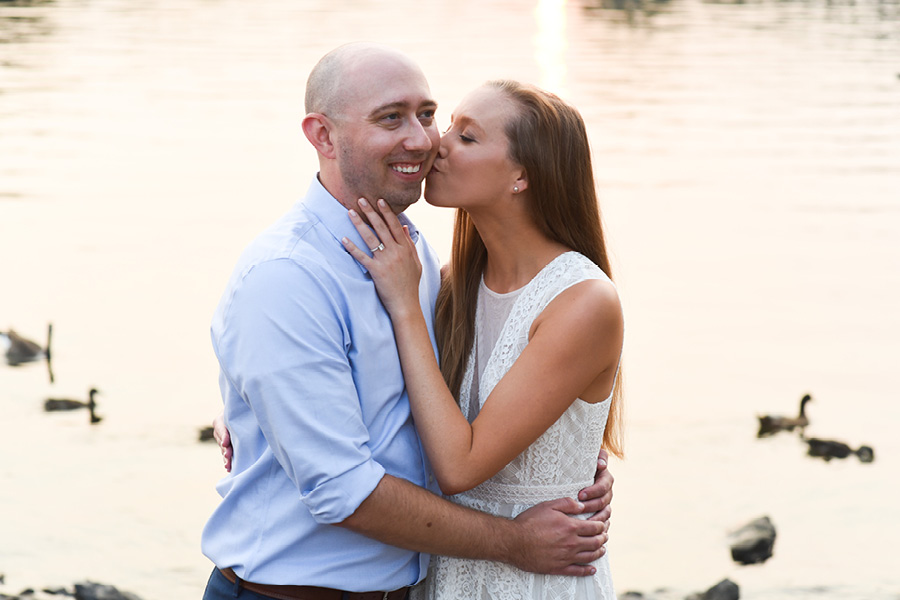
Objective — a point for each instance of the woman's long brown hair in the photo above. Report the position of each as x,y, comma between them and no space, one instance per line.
547,137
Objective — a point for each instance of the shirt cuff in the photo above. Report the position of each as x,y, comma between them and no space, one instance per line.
338,498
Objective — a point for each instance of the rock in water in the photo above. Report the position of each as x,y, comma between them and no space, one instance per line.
753,542
724,590
206,434
98,591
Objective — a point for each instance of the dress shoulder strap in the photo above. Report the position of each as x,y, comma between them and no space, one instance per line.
563,272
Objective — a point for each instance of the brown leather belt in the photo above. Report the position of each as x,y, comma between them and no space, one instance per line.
308,592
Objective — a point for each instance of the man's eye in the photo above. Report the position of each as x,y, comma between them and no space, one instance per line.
427,115
391,117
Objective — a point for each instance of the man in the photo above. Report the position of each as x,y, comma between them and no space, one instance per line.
331,494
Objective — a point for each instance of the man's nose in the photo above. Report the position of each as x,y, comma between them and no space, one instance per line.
417,137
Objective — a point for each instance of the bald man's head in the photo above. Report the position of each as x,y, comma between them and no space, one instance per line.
370,115
334,80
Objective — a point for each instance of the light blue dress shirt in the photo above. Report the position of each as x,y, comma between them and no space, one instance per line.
316,405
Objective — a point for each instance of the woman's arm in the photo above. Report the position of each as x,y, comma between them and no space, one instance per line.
223,439
573,349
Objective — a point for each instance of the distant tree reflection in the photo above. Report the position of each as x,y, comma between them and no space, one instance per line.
633,12
21,22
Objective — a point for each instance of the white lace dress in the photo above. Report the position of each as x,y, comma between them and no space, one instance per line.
558,464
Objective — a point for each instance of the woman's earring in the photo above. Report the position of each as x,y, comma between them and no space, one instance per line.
515,189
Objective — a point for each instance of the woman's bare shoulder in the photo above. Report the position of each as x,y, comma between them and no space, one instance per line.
589,307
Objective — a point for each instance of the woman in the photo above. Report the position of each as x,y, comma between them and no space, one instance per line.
529,325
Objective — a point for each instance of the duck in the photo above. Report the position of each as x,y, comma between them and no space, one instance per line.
65,404
828,449
21,350
772,424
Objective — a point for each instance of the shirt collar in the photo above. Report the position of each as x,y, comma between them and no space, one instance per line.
333,216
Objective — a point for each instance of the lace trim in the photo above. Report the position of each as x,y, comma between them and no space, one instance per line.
494,491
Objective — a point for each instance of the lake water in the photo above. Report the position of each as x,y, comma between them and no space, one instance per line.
748,161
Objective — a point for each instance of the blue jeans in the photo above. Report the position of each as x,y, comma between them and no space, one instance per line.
219,588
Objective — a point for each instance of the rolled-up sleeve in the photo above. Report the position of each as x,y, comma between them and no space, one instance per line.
285,341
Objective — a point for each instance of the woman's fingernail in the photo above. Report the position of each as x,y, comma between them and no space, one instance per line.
345,241
382,203
362,202
352,213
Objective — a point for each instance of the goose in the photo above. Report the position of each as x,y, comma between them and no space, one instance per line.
21,350
772,424
61,404
828,449
95,418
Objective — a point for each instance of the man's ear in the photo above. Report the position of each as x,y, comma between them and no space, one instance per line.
318,130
